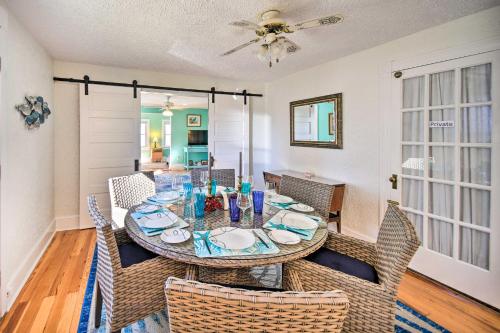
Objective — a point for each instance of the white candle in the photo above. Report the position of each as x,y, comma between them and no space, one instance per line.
241,162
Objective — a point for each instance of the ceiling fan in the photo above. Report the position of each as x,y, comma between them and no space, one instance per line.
167,112
270,30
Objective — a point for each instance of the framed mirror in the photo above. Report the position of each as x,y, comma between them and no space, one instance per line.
317,122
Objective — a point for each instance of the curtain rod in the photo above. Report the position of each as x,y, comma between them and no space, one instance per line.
86,80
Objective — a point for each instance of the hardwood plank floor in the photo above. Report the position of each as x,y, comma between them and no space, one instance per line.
52,298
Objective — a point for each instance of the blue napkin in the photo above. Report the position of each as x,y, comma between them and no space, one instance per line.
201,242
306,234
156,231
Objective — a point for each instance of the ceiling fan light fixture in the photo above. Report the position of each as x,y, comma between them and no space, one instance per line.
167,113
263,53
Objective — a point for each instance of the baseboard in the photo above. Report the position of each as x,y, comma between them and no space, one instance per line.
67,222
14,286
353,233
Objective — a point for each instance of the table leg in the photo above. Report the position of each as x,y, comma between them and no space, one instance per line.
192,272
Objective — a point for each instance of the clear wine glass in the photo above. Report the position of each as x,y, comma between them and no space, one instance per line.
270,190
177,185
244,202
204,178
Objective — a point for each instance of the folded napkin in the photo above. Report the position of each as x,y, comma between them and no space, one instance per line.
201,242
281,205
225,191
306,234
154,223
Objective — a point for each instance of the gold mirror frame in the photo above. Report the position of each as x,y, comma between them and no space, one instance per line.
337,144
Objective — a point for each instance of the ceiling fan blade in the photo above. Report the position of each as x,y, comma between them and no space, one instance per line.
291,47
327,20
246,25
237,48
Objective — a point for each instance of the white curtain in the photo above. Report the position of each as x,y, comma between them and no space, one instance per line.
476,127
413,194
441,162
440,236
413,92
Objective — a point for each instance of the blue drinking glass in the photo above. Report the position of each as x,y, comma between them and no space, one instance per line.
234,210
188,190
258,201
214,187
199,205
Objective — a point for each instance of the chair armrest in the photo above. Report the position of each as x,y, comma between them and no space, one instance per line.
353,247
118,216
291,279
121,236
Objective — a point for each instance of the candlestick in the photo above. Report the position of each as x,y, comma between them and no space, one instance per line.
209,182
241,163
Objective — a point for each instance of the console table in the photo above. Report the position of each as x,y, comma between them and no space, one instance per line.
193,150
338,193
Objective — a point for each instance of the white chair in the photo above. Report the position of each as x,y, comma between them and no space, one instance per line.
127,191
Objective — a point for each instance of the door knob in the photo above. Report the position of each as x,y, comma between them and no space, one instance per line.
394,180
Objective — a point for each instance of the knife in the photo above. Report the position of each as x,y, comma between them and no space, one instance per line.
257,235
206,244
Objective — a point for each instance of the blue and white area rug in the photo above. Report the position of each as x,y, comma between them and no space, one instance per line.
407,319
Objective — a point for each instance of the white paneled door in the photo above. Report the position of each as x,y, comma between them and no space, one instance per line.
109,142
228,132
446,153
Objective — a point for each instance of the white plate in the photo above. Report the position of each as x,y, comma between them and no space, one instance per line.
231,238
146,208
284,237
281,199
301,208
175,235
298,221
154,221
166,196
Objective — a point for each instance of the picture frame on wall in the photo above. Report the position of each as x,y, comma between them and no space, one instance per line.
331,124
193,120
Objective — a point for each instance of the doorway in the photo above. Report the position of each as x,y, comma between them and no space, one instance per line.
173,131
446,157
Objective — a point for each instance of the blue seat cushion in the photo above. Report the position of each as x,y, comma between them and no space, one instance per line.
132,253
343,263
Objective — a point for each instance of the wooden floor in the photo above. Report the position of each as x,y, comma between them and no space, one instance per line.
52,298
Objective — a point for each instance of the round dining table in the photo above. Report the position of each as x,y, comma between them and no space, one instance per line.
185,252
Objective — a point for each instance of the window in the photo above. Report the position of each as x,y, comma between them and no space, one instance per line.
144,133
167,132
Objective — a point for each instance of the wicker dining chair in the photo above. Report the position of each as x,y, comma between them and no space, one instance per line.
199,307
224,177
317,195
129,278
127,191
369,273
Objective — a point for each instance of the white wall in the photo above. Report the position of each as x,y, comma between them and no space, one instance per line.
27,157
358,77
66,96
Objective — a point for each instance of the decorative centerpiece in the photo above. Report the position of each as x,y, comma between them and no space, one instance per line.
212,203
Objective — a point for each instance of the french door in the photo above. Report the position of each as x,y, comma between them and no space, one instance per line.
447,158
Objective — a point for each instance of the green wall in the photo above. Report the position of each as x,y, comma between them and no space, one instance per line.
324,109
179,131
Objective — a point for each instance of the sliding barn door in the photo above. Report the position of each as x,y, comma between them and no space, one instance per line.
228,132
109,142
447,157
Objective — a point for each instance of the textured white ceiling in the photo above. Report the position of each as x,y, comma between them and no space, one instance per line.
187,36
